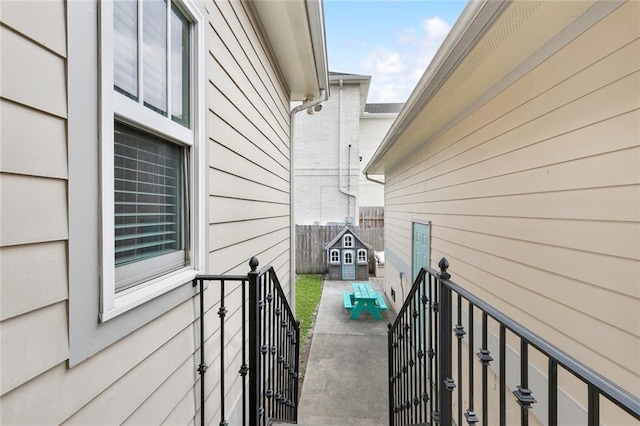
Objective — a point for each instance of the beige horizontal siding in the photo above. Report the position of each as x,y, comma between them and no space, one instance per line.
227,234
230,111
33,209
182,414
39,20
257,115
32,277
33,143
238,210
533,198
32,403
241,65
248,182
252,45
32,75
233,164
114,406
242,141
26,336
265,248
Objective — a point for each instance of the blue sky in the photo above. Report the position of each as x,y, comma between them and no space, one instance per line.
391,40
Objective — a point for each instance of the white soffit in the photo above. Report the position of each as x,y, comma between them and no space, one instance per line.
295,31
484,49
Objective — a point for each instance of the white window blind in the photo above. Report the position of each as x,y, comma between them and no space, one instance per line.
149,206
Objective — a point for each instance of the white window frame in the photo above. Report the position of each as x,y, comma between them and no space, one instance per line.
362,252
335,252
117,106
346,253
347,240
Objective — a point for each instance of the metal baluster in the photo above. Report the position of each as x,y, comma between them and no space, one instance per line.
282,347
202,368
436,352
485,358
470,415
390,371
422,358
296,349
459,330
271,347
222,312
503,376
553,393
522,392
414,356
265,353
244,368
593,416
446,383
405,381
254,343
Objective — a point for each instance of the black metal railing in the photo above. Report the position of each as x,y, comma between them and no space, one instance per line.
430,382
270,348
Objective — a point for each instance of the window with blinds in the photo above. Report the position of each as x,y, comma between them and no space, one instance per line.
149,204
152,56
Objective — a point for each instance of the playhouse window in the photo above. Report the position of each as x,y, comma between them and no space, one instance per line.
362,256
347,240
348,257
334,257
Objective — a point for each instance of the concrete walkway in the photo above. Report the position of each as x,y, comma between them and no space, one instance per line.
346,376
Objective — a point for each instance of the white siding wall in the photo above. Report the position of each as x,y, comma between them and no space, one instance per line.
533,199
373,128
150,375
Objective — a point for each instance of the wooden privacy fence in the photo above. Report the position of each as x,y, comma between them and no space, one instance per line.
311,257
371,217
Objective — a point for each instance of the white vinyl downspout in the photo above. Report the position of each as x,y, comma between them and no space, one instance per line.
340,180
292,173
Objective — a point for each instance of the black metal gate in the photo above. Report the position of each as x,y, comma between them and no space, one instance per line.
270,355
422,355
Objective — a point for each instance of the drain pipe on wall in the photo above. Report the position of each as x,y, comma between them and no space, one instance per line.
312,105
340,183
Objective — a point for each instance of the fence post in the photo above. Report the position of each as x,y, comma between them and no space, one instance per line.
446,384
254,343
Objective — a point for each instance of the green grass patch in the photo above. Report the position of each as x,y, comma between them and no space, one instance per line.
308,292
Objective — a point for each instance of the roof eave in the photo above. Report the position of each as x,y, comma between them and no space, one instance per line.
296,34
472,23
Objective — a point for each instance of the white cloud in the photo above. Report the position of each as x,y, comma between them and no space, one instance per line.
383,61
397,66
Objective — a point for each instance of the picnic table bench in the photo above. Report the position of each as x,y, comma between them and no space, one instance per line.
364,298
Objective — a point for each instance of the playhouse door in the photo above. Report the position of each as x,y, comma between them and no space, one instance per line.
348,265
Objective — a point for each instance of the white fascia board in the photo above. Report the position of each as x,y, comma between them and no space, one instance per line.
296,34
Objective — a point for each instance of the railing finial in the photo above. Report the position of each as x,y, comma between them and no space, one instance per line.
253,264
444,265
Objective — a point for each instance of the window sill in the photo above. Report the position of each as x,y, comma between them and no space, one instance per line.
137,296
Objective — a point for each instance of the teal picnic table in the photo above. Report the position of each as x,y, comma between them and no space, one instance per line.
364,298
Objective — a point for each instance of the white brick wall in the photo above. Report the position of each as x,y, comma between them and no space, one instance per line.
317,194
